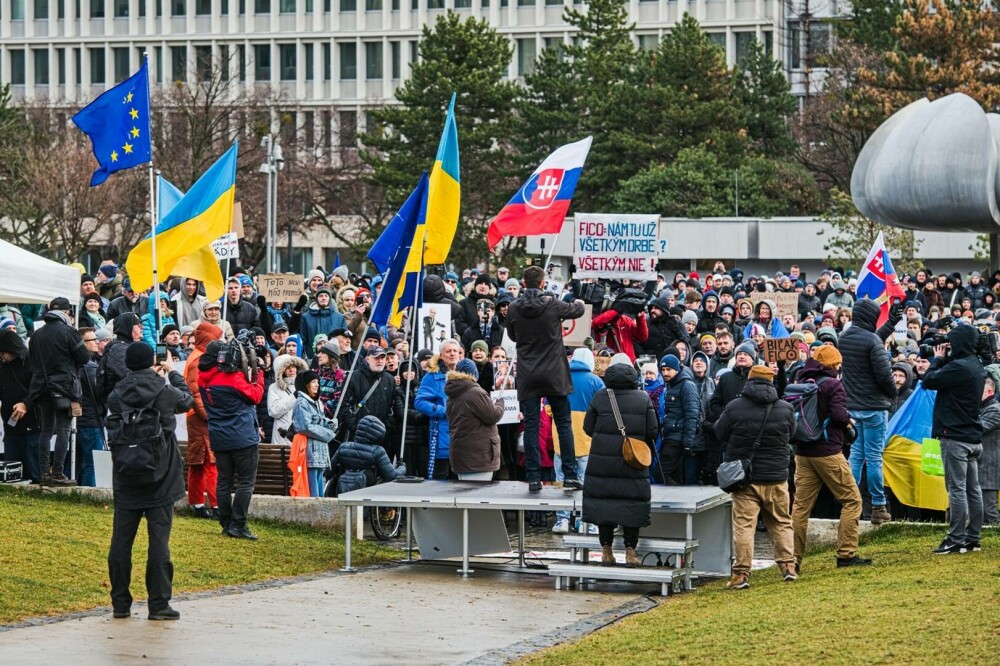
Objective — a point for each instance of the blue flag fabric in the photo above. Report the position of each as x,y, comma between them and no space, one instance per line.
117,124
391,250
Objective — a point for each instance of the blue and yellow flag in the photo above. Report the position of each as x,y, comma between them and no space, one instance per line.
906,432
391,252
443,195
117,124
201,264
200,217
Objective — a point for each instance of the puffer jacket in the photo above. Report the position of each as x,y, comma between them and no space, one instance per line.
431,401
959,382
832,405
472,419
316,320
585,386
56,355
366,454
867,371
198,451
742,421
680,410
534,322
281,396
613,492
664,330
989,461
243,315
309,420
230,402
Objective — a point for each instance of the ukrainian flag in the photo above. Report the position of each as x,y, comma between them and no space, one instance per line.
907,429
443,195
200,217
200,265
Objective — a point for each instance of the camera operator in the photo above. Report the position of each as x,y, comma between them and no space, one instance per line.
231,391
487,328
623,324
959,379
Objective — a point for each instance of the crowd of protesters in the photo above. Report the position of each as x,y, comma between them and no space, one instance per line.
695,343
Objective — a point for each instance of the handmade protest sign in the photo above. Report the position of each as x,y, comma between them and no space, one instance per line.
784,303
280,288
780,349
616,246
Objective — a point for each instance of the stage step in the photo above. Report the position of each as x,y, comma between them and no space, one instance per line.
669,580
582,544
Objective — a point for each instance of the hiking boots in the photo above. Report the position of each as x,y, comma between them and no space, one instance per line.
632,560
853,561
949,547
607,557
880,514
788,572
59,479
534,486
167,613
739,581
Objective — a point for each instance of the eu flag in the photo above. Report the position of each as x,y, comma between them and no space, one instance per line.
117,124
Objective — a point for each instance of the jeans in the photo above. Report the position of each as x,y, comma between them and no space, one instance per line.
23,449
52,421
867,451
562,416
965,497
159,569
317,482
581,473
241,465
88,440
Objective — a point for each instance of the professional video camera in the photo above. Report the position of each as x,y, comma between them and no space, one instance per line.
241,355
630,302
988,344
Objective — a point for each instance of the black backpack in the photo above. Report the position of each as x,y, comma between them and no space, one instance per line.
804,399
107,378
138,445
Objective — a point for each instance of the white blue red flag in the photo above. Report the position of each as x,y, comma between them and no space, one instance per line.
540,206
878,280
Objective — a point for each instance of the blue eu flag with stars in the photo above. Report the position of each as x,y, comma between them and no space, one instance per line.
117,124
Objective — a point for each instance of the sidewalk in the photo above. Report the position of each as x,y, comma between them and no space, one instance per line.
406,614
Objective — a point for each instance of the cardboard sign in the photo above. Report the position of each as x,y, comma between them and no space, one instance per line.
226,247
575,331
555,288
780,349
279,288
511,406
616,246
786,303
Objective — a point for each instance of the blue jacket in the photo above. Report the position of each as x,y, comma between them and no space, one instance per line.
777,329
150,335
308,419
680,410
318,320
231,403
585,386
431,401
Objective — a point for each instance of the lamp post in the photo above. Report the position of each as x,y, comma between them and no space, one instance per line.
274,162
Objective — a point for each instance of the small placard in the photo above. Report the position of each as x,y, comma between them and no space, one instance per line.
780,349
280,288
511,407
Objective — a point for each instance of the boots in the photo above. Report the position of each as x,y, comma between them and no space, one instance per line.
631,558
607,557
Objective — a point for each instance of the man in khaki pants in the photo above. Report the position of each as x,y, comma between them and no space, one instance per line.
759,426
823,463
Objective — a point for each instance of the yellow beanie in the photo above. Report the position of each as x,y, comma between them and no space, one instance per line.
761,372
828,356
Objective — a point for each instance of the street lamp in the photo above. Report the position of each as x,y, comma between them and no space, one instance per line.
274,162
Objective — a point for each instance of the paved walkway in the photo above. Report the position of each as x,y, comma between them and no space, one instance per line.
406,614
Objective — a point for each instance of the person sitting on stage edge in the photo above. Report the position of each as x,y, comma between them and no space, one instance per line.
613,492
363,461
472,419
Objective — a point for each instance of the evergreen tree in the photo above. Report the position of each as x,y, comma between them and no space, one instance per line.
768,105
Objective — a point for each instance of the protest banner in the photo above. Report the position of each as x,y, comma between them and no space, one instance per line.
227,247
616,246
575,331
780,349
785,303
280,288
511,406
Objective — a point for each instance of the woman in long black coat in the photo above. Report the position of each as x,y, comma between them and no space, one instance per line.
614,493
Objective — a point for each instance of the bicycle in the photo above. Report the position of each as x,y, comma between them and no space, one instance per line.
386,521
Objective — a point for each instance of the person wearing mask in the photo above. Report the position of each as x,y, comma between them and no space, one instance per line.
189,303
57,353
431,401
17,412
309,419
281,396
143,388
535,326
203,476
474,449
759,426
680,418
615,494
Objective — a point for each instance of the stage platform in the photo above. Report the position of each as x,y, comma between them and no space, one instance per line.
451,519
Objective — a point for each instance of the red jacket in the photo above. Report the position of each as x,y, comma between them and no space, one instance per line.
230,401
621,331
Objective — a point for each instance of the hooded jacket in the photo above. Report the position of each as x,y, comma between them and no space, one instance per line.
959,382
662,331
906,391
773,328
365,453
56,355
316,320
281,396
743,419
585,386
198,451
832,405
622,332
431,401
472,418
707,321
534,322
188,310
613,492
230,402
145,388
436,293
867,371
680,410
15,378
150,333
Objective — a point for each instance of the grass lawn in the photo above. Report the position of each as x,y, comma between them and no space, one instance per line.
53,554
911,607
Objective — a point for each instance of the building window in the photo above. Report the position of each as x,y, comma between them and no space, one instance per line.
327,61
394,53
309,128
241,54
17,67
96,8
121,8
97,66
794,45
525,3
769,43
464,4
261,6
16,10
61,65
348,61
719,39
41,9
373,60
120,56
649,42
158,51
819,44
348,5
203,7
178,7
348,129
435,4
61,9
373,5
559,2
309,61
286,6
142,8
525,56
395,5
327,129
203,62
743,42
41,67
262,62
414,52
178,63
286,55
300,261
159,8
78,60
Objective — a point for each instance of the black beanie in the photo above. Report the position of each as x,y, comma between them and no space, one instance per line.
139,356
303,379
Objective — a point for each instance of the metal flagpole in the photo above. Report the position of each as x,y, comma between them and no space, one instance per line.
548,260
414,318
152,203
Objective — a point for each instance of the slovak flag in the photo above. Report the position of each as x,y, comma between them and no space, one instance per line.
878,280
540,206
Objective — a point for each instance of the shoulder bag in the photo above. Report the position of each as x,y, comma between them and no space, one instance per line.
635,451
734,475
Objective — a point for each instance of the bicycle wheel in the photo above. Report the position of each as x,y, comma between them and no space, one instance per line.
385,521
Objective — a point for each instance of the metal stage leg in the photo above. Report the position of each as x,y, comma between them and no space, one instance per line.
347,540
409,536
520,539
465,570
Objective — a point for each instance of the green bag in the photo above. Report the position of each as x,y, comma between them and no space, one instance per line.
930,458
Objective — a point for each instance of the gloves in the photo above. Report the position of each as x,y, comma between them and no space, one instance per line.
302,303
262,303
896,311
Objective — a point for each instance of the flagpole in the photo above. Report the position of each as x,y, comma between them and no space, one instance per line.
152,205
414,314
548,260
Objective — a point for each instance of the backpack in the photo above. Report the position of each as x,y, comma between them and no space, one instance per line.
352,479
106,376
138,445
804,399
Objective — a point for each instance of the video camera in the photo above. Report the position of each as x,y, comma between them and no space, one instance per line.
240,355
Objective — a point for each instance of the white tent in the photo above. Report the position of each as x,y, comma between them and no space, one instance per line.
28,278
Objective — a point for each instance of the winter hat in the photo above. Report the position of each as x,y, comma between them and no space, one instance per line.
483,279
102,334
209,305
315,273
169,328
206,333
12,343
303,379
60,303
370,431
139,356
513,282
86,278
761,372
372,334
342,272
670,361
467,366
332,350
727,308
620,359
648,367
479,344
424,355
689,317
585,356
245,281
755,329
827,356
319,340
8,323
710,294
93,297
700,355
747,348
324,290
827,334
110,271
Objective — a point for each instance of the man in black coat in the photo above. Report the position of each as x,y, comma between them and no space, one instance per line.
664,329
111,369
240,313
534,323
485,327
129,302
959,382
870,392
20,438
469,315
759,426
143,388
362,399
